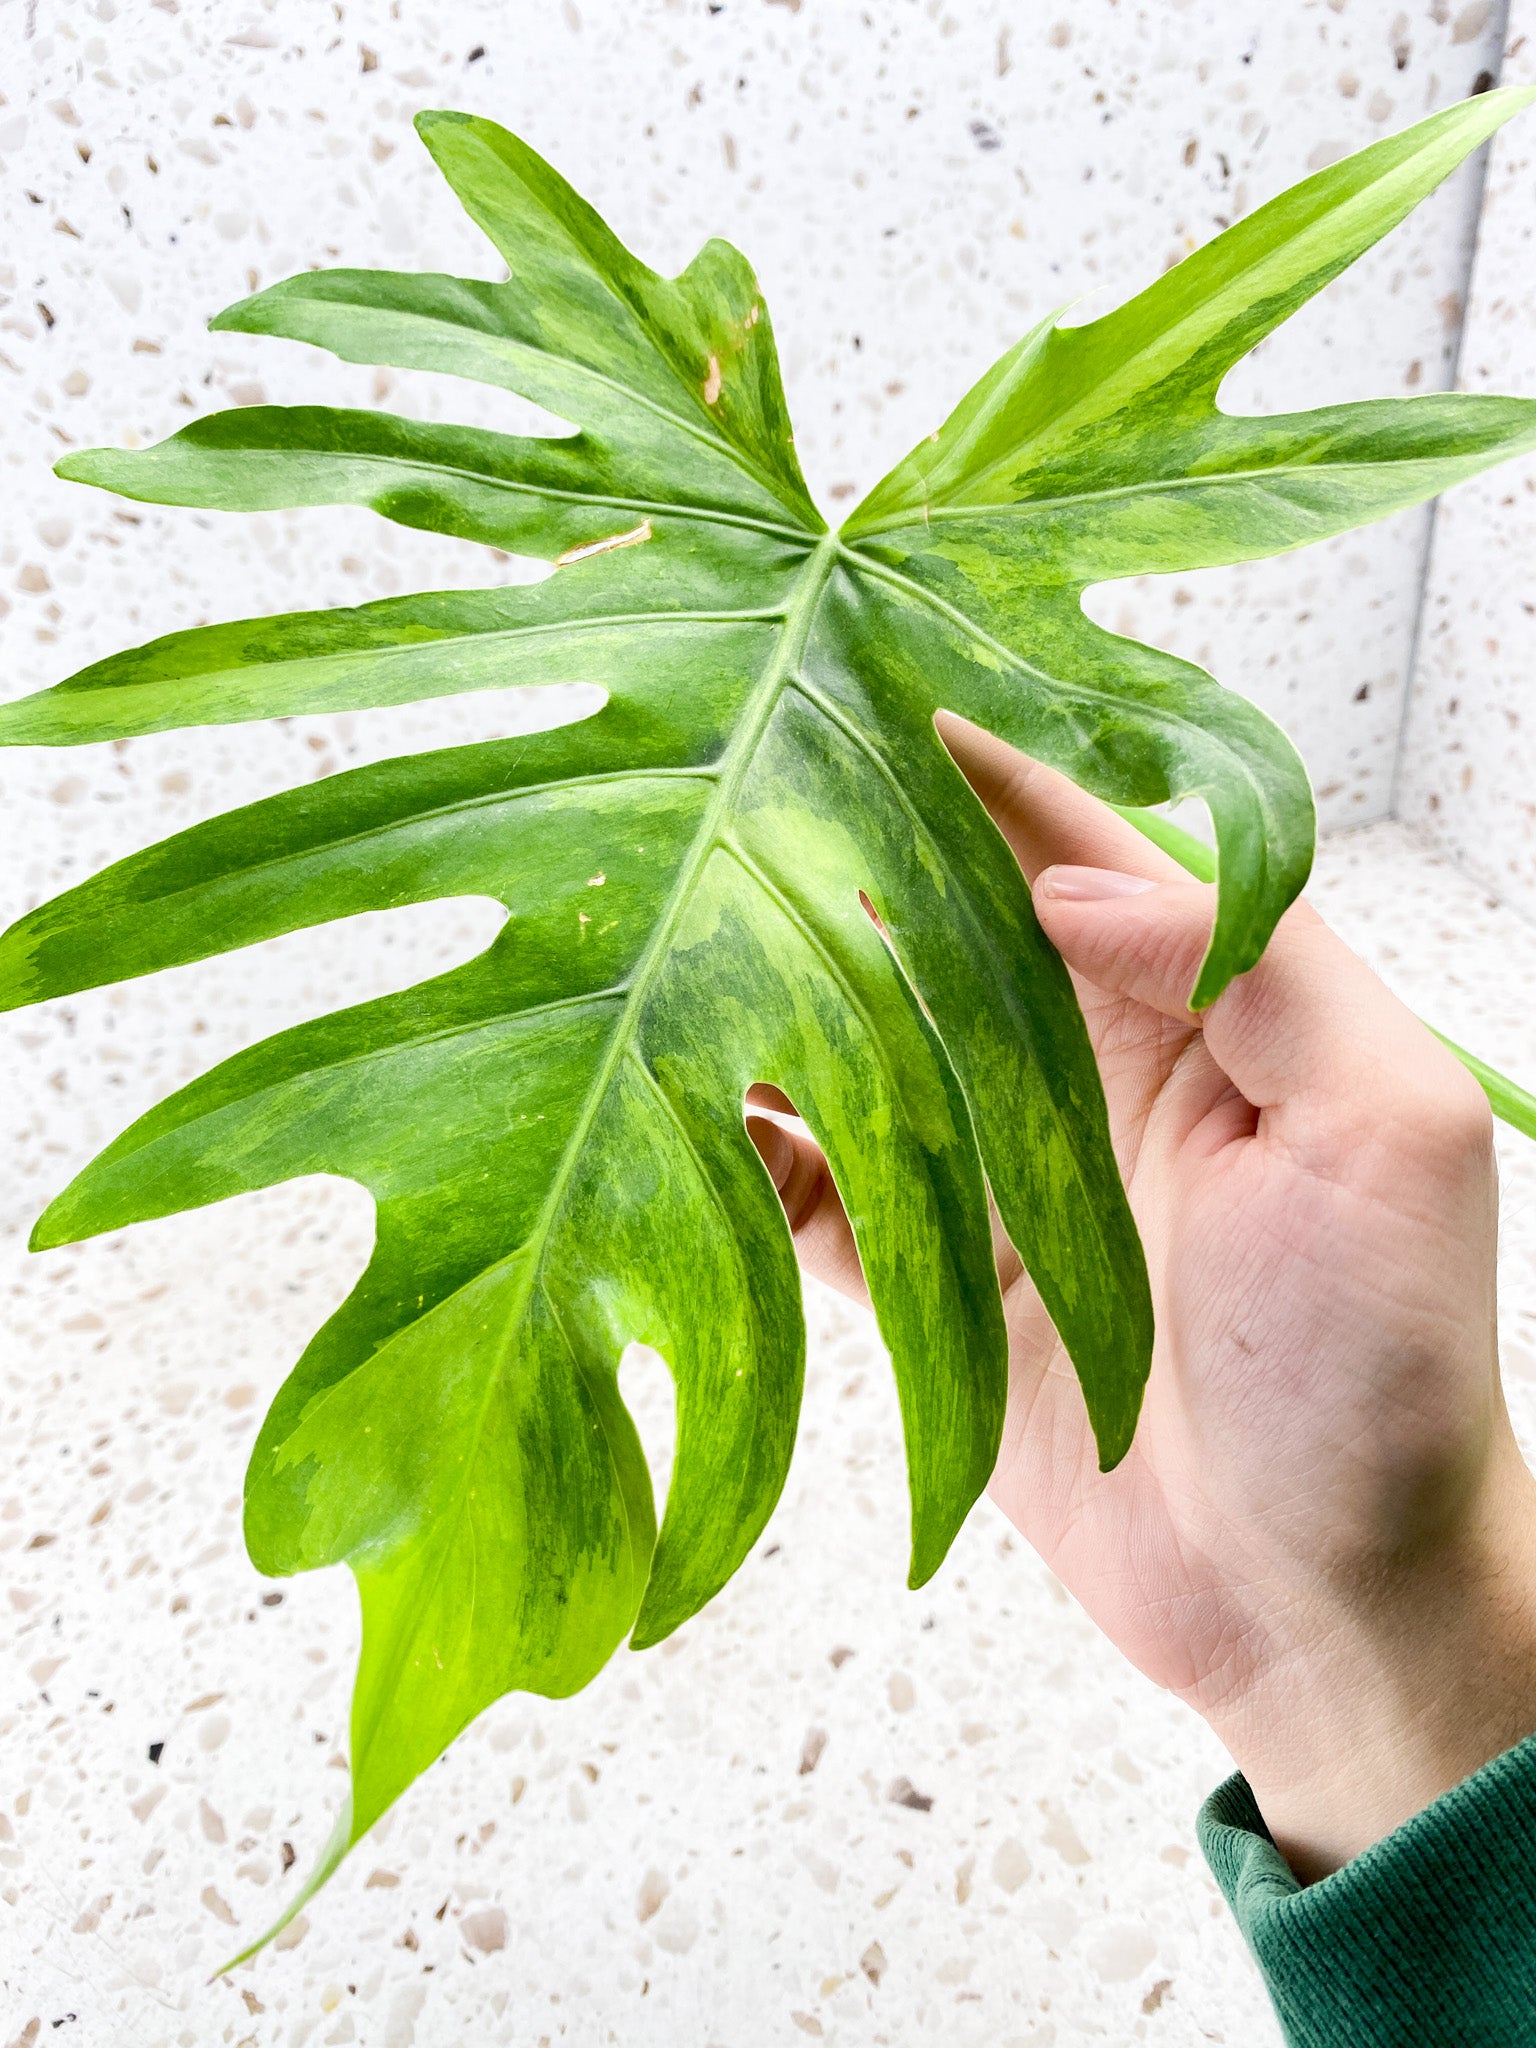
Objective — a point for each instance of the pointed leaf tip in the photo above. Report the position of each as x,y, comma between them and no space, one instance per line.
1112,1449
332,1855
56,1226
75,468
438,117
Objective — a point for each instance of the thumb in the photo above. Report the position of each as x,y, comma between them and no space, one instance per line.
1130,935
1310,1023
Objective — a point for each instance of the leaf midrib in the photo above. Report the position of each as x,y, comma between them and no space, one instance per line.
730,775
776,677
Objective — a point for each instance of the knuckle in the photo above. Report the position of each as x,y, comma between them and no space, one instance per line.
1466,1117
1450,1115
1170,947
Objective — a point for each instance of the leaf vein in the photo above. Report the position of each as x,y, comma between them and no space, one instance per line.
460,807
516,486
1155,712
1023,508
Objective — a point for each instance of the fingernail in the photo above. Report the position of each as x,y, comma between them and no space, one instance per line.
775,1147
1090,885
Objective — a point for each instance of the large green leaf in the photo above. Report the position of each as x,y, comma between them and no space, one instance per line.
756,863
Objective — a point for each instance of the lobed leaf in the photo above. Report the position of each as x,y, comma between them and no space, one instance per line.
553,1133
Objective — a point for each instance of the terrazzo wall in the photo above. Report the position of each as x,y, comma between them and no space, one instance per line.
1469,755
828,1810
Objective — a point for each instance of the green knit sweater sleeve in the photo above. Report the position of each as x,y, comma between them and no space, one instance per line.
1427,1940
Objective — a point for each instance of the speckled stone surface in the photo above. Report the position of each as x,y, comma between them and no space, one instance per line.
1469,761
702,1851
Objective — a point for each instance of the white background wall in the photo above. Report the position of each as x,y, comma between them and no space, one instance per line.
915,185
1468,765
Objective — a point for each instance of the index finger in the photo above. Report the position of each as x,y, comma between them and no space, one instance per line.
1043,815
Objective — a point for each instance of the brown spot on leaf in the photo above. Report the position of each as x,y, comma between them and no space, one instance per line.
633,538
712,382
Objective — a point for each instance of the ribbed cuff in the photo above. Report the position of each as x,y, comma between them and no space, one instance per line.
1427,1940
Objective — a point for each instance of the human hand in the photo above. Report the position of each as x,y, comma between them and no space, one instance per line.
1324,1536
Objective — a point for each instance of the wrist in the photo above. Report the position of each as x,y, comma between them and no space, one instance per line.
1373,1698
